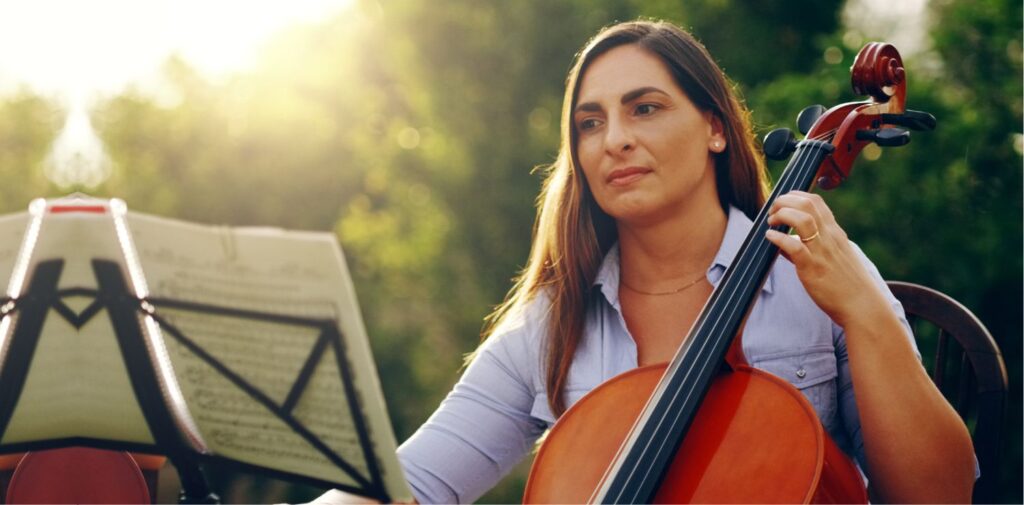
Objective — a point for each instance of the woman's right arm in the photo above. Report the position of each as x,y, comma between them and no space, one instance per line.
482,429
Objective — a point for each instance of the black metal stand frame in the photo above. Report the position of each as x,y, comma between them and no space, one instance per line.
126,312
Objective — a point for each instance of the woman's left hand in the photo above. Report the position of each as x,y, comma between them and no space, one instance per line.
828,266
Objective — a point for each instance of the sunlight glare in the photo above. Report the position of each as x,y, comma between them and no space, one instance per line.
77,157
77,52
77,49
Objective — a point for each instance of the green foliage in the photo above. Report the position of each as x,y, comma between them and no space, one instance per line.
944,211
28,125
770,38
412,130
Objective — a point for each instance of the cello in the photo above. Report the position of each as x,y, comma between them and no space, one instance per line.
707,427
80,475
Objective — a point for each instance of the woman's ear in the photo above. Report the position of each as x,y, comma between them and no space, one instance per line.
716,140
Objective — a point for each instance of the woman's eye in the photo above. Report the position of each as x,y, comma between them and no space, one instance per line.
645,109
588,124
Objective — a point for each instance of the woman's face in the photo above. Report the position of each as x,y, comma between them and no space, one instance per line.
645,149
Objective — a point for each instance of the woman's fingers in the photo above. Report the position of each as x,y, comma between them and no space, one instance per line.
799,212
807,202
789,245
825,261
806,212
803,223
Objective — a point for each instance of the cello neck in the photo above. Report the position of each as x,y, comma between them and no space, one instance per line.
636,474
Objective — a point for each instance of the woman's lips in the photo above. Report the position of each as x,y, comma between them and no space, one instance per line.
625,176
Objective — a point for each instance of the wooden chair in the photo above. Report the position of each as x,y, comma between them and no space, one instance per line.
977,387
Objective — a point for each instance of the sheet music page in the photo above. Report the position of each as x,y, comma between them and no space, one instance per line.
298,274
77,384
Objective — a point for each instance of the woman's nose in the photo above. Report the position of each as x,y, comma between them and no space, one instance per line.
618,138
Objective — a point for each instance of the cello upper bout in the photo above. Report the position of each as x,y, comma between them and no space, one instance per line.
586,447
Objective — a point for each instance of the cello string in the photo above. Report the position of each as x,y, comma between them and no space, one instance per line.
686,377
799,166
746,278
662,416
784,186
759,249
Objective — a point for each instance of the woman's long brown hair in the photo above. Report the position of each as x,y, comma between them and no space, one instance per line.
572,234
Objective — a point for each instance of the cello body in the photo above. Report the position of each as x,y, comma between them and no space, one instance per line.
80,475
759,441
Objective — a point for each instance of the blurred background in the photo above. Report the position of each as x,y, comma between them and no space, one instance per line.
411,129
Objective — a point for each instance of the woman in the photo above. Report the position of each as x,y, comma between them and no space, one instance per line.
651,195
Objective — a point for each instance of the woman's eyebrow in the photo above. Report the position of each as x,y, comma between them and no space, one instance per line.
639,92
627,97
588,107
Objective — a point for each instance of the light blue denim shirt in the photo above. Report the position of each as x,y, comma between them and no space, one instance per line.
494,415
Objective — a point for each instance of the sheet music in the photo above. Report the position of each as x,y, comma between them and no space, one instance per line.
77,385
290,273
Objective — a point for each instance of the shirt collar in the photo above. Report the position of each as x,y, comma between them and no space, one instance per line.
736,231
608,276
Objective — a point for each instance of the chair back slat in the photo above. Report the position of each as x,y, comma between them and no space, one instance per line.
966,389
939,371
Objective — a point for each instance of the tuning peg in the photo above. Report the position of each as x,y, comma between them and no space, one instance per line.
826,183
779,144
807,117
885,137
913,119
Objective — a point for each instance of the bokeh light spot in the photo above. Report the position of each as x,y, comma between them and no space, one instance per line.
540,119
408,138
833,55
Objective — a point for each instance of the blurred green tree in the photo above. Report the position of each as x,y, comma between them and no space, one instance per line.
28,125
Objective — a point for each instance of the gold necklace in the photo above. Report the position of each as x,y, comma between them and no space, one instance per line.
663,293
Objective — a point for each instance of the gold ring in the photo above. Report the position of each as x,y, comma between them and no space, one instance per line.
812,237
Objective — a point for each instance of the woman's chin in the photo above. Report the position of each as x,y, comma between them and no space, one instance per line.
632,210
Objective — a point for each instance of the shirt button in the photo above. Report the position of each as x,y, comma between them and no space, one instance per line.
801,373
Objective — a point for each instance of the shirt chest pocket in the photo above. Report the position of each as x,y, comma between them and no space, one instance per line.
813,374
